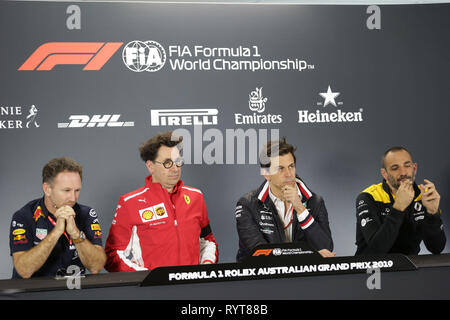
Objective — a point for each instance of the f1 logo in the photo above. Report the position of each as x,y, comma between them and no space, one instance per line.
93,55
262,252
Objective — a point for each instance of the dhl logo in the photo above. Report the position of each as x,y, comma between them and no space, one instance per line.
93,55
262,252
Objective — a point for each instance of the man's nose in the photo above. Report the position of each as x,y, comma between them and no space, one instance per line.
289,173
404,171
73,196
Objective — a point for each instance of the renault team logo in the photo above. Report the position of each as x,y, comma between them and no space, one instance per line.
141,56
93,55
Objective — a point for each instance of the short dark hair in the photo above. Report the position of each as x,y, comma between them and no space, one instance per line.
149,149
275,148
392,149
58,165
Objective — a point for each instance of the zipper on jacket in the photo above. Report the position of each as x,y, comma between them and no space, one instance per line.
175,223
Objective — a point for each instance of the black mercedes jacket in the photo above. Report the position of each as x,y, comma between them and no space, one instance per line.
258,222
382,229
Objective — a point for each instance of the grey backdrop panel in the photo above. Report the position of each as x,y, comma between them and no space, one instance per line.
397,77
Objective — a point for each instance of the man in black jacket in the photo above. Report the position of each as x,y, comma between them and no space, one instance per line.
282,209
396,215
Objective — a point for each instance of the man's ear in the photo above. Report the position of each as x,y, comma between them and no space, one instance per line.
265,172
384,173
149,164
46,187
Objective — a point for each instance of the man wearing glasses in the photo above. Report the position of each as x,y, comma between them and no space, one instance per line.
163,223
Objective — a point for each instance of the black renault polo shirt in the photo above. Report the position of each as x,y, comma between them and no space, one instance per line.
31,224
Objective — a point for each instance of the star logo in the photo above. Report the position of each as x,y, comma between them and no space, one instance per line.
329,97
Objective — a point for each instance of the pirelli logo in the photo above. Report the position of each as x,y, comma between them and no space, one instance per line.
183,117
93,55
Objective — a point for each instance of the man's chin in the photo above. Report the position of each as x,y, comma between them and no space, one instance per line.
172,182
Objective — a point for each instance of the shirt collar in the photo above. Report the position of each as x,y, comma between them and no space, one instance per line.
149,183
304,191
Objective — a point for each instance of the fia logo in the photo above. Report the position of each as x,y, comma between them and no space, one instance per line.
141,56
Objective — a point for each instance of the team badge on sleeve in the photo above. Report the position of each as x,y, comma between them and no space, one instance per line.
38,213
41,233
19,236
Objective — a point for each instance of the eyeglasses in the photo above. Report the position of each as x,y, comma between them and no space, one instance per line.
168,163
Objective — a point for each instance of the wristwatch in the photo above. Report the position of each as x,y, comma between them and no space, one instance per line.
80,239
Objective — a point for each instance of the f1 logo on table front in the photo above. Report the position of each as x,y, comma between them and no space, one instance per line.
93,55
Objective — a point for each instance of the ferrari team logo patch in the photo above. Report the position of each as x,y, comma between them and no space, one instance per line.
187,199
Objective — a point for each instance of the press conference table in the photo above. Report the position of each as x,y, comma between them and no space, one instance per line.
431,280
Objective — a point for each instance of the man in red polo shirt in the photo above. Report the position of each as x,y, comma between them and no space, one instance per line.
163,223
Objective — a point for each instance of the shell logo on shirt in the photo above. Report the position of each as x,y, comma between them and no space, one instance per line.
152,213
147,215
